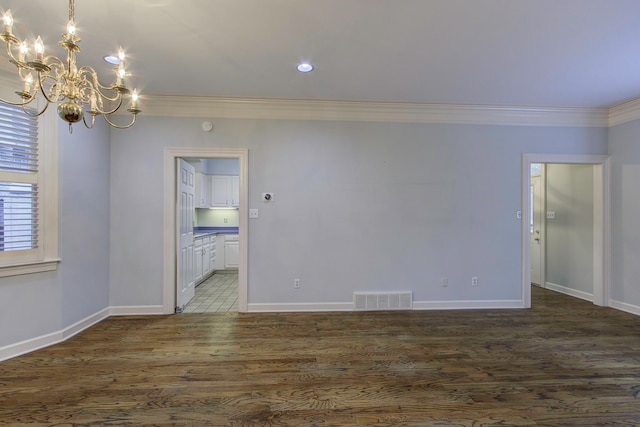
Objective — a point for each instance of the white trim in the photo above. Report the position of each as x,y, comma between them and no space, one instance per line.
85,323
45,256
466,305
391,112
625,112
136,310
569,291
29,268
417,305
299,307
169,235
49,185
33,344
601,225
623,306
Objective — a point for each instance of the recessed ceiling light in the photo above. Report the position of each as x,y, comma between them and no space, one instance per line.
112,59
305,67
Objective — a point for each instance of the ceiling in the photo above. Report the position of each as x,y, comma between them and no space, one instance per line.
556,53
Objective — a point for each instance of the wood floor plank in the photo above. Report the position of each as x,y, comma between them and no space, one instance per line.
563,362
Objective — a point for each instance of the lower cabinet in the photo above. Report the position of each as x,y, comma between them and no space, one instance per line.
231,251
204,253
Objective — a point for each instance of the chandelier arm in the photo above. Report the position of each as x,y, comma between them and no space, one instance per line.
22,104
93,121
57,62
97,86
12,58
46,105
119,126
41,78
116,108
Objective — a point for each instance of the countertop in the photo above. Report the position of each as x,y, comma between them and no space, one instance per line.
205,231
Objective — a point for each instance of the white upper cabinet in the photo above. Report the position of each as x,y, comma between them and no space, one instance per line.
235,191
225,191
203,190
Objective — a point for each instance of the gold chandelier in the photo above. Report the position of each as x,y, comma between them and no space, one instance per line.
77,89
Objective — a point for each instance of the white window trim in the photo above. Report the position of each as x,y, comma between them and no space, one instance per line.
47,258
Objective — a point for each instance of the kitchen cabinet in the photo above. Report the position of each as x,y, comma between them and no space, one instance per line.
197,258
203,190
204,257
212,254
225,191
231,251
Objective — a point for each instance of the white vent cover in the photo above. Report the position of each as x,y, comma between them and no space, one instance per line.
382,301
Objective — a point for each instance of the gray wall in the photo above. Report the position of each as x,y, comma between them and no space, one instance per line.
359,206
624,149
38,304
569,259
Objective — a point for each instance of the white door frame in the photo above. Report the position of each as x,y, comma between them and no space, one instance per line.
601,224
169,240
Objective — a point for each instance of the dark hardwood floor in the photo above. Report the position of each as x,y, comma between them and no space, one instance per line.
564,362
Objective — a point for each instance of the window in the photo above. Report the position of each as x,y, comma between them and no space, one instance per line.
28,193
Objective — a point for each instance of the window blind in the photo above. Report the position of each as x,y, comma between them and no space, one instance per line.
19,208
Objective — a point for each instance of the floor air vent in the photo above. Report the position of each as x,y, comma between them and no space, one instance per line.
382,301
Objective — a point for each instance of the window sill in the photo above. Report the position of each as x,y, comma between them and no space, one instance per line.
29,268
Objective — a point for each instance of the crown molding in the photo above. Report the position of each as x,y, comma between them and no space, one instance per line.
625,112
390,112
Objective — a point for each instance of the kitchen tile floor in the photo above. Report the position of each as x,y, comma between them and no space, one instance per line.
217,294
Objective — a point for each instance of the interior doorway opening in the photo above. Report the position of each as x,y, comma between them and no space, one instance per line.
560,216
216,226
171,219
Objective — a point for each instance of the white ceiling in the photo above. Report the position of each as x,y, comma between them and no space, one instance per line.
562,53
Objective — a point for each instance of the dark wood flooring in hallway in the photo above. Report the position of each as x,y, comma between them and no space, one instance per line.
563,362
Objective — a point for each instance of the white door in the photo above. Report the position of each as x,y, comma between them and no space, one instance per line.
536,229
184,218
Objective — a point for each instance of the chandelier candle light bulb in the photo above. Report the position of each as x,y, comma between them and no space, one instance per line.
7,18
50,79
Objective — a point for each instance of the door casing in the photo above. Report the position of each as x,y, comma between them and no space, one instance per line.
169,223
601,221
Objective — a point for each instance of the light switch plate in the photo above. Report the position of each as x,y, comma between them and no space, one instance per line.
253,213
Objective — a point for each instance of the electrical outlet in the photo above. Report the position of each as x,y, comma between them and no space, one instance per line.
296,283
226,220
444,282
474,281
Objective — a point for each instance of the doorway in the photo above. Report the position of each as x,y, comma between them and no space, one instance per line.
215,219
170,218
600,220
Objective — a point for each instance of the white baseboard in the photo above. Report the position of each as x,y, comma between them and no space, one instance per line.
466,305
417,305
569,291
136,310
85,323
623,306
33,344
300,307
